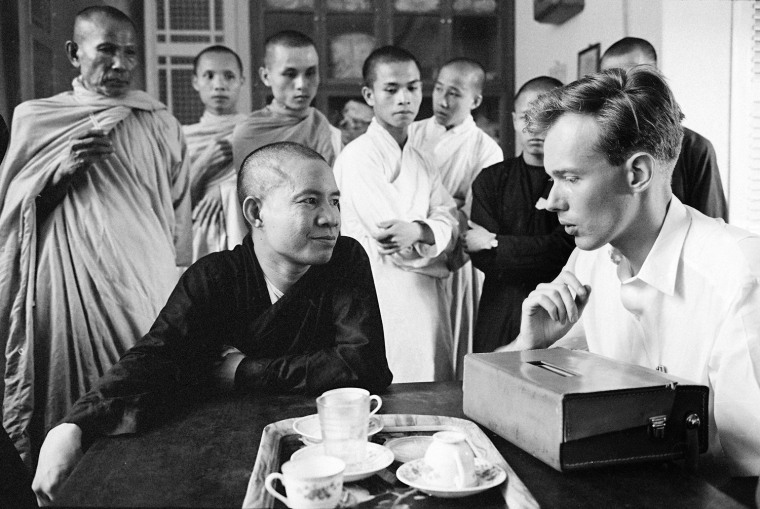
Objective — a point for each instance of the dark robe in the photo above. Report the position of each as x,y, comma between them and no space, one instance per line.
532,248
324,332
696,179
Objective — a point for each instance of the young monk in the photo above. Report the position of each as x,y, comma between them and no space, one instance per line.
291,72
95,218
460,150
296,299
513,239
218,78
395,204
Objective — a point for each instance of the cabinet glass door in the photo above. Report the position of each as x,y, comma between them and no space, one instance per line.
351,37
289,15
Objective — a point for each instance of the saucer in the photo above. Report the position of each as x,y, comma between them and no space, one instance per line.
308,427
378,458
414,472
407,449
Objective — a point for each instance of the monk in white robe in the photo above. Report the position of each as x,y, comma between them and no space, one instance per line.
95,214
291,72
394,203
459,149
218,78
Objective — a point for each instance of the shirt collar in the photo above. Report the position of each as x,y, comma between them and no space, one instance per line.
660,268
466,124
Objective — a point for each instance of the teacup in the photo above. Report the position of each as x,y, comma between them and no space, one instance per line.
344,421
451,461
310,483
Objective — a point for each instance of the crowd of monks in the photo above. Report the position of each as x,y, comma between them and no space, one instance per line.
107,200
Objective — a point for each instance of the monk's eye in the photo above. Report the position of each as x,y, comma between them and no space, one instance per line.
309,201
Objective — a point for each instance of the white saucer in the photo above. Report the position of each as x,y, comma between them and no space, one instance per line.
378,458
413,473
308,427
409,448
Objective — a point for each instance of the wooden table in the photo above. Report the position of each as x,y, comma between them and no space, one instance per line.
202,456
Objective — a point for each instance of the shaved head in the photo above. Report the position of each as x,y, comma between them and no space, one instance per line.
629,52
94,15
472,68
540,84
286,39
266,168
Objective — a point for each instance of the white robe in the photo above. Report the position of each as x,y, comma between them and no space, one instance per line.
459,154
380,181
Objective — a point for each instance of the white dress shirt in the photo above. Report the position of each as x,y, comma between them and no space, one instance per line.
694,307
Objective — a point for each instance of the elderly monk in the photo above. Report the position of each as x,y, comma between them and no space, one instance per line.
95,213
295,298
218,78
395,204
460,150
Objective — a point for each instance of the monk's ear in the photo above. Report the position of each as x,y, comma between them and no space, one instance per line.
195,82
640,170
71,53
252,211
368,95
477,102
264,75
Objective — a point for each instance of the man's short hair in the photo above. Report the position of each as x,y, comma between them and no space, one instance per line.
264,168
540,84
628,45
473,66
635,110
218,48
89,13
385,55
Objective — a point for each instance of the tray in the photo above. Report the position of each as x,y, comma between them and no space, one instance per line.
279,440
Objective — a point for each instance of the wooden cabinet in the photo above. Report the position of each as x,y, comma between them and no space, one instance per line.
345,31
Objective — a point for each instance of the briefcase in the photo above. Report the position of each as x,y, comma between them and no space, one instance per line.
575,410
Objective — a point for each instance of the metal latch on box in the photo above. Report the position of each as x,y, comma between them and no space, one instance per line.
656,427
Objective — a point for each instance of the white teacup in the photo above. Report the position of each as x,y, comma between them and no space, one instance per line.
310,483
344,422
451,461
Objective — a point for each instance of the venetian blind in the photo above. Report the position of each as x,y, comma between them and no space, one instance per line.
753,201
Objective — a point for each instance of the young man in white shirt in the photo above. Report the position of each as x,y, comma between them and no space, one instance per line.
394,203
653,282
460,150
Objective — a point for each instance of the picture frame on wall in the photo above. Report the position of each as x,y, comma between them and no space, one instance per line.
588,60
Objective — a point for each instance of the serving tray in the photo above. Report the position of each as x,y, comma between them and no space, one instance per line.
279,441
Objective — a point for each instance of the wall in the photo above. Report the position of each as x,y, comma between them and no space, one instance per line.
693,39
696,58
546,49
